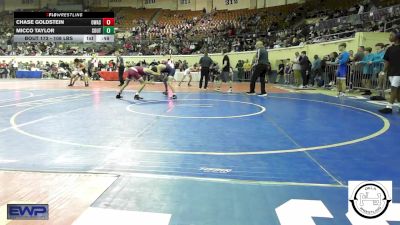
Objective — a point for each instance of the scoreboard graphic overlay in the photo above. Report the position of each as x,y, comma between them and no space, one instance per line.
64,27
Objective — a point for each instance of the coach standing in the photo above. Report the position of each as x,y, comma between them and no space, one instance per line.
260,70
392,70
205,63
305,68
121,68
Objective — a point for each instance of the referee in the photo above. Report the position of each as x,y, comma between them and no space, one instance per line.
121,68
205,63
392,70
261,68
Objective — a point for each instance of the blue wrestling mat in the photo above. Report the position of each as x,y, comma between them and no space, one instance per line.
207,158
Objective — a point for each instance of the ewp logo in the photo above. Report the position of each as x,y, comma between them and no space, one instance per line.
27,211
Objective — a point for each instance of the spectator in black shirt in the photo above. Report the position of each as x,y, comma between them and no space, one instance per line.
240,68
392,70
305,66
225,74
281,71
121,68
333,56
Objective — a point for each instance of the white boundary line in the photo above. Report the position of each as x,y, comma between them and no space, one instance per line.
198,117
386,126
14,99
232,181
41,119
44,100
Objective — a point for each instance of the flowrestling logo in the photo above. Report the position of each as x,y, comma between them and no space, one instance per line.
369,203
370,199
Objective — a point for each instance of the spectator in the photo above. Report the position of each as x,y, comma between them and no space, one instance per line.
333,56
357,69
297,69
351,55
214,71
361,9
304,65
225,75
343,60
111,65
359,55
288,71
3,69
14,68
377,58
121,68
377,62
367,71
316,71
240,67
281,71
247,69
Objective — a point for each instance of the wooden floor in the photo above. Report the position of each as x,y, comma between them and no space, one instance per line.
68,194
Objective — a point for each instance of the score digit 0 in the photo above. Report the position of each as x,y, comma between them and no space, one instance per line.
108,30
108,21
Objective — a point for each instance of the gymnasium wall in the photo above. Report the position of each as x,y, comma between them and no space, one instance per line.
51,3
101,3
270,3
372,38
189,5
196,5
295,1
252,4
231,4
122,3
260,4
368,39
115,3
164,4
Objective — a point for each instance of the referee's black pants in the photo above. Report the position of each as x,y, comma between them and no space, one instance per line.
260,71
304,76
121,70
205,73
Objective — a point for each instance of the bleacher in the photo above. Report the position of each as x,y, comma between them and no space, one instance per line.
163,27
128,17
175,17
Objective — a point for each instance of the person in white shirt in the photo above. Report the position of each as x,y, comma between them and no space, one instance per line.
14,68
188,72
95,64
171,63
79,70
361,9
297,69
